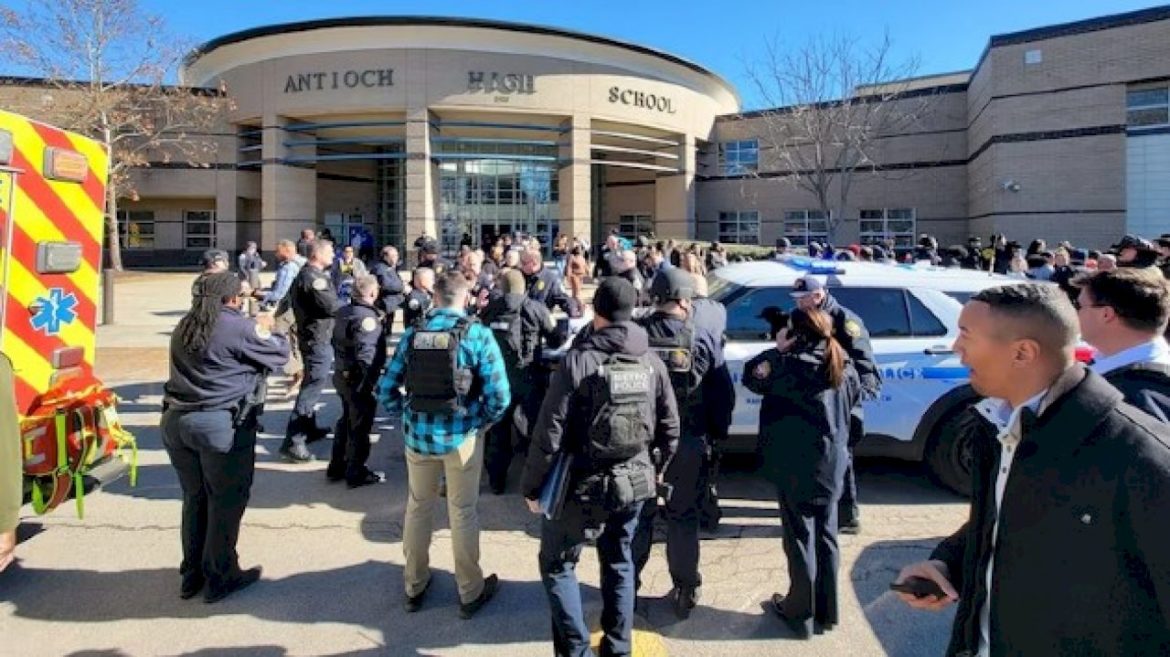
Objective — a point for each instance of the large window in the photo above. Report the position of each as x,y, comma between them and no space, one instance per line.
892,223
1148,108
739,227
199,229
887,312
804,226
737,158
136,229
634,226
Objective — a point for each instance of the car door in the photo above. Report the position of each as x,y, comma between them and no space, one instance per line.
748,335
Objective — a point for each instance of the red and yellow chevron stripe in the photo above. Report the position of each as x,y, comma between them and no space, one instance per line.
47,312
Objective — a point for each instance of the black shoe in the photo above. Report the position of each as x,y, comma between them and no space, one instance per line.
497,487
296,452
368,478
414,603
335,475
491,584
241,581
798,627
853,527
191,587
683,600
314,433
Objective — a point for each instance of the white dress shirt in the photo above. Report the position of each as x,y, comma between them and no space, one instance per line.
1154,351
1007,423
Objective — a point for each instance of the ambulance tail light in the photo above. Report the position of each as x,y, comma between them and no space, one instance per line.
65,165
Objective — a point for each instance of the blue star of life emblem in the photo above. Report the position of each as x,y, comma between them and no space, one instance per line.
52,311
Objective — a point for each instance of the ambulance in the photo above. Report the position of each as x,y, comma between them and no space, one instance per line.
52,201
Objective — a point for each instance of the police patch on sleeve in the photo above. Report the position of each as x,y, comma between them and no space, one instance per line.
852,328
319,284
762,370
369,324
262,332
539,285
413,304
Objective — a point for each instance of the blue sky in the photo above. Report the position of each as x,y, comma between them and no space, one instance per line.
720,35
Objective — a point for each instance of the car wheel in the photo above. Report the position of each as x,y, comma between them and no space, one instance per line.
949,450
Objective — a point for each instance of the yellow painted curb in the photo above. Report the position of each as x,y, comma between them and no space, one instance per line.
646,643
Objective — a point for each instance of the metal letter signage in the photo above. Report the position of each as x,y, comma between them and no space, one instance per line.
641,99
370,78
500,83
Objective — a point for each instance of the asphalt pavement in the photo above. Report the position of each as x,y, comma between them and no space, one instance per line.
107,585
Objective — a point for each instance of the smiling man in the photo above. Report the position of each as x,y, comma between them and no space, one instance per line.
1065,549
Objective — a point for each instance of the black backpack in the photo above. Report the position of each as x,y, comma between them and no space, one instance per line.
434,381
677,353
620,428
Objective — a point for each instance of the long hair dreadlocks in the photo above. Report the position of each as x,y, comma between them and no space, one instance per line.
212,291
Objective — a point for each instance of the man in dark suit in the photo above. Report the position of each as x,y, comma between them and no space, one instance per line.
1065,550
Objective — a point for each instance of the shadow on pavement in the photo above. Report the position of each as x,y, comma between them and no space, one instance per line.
900,629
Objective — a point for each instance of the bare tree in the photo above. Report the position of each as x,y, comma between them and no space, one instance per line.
108,63
833,102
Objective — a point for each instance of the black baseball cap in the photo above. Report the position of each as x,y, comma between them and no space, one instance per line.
212,256
805,286
615,299
671,285
1133,242
783,243
430,247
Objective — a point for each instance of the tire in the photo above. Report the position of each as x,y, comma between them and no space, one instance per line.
948,451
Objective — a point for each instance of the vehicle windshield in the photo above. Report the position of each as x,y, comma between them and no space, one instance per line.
719,288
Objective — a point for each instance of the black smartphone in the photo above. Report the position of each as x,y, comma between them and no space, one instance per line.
919,587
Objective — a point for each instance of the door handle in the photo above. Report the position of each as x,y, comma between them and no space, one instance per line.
938,350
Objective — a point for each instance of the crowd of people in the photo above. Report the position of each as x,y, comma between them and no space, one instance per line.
1071,463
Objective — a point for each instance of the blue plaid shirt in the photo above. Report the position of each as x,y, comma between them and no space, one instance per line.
429,433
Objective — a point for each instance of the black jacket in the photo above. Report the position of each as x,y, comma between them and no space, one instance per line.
1081,563
696,411
804,422
359,344
390,288
536,326
566,413
1145,386
545,287
314,303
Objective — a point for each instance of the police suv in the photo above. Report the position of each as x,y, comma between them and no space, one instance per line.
911,312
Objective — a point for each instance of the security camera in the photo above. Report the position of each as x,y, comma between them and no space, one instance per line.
1011,186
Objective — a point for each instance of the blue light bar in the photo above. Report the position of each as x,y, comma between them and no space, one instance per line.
812,266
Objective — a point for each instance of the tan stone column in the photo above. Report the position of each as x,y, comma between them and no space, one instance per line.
576,179
421,181
288,193
674,196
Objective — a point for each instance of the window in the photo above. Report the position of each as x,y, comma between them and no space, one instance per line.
635,225
136,229
199,229
961,297
744,319
739,227
923,322
804,226
883,310
737,158
894,223
1148,108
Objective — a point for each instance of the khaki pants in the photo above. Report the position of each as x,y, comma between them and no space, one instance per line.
462,468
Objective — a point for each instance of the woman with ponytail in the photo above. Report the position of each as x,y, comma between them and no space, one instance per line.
808,386
211,406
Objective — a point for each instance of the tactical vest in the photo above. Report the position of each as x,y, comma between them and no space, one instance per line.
434,381
620,429
518,351
677,353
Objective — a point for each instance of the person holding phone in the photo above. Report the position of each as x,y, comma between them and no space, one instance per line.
809,387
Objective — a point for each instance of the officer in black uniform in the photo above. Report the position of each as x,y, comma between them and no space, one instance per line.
213,262
688,351
850,331
609,407
359,346
392,290
314,303
718,398
428,256
521,326
421,297
544,284
211,406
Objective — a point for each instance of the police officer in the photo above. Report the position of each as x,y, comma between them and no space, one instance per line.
688,351
428,256
211,405
213,261
422,292
544,284
391,288
314,303
718,398
520,326
809,292
359,347
610,406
